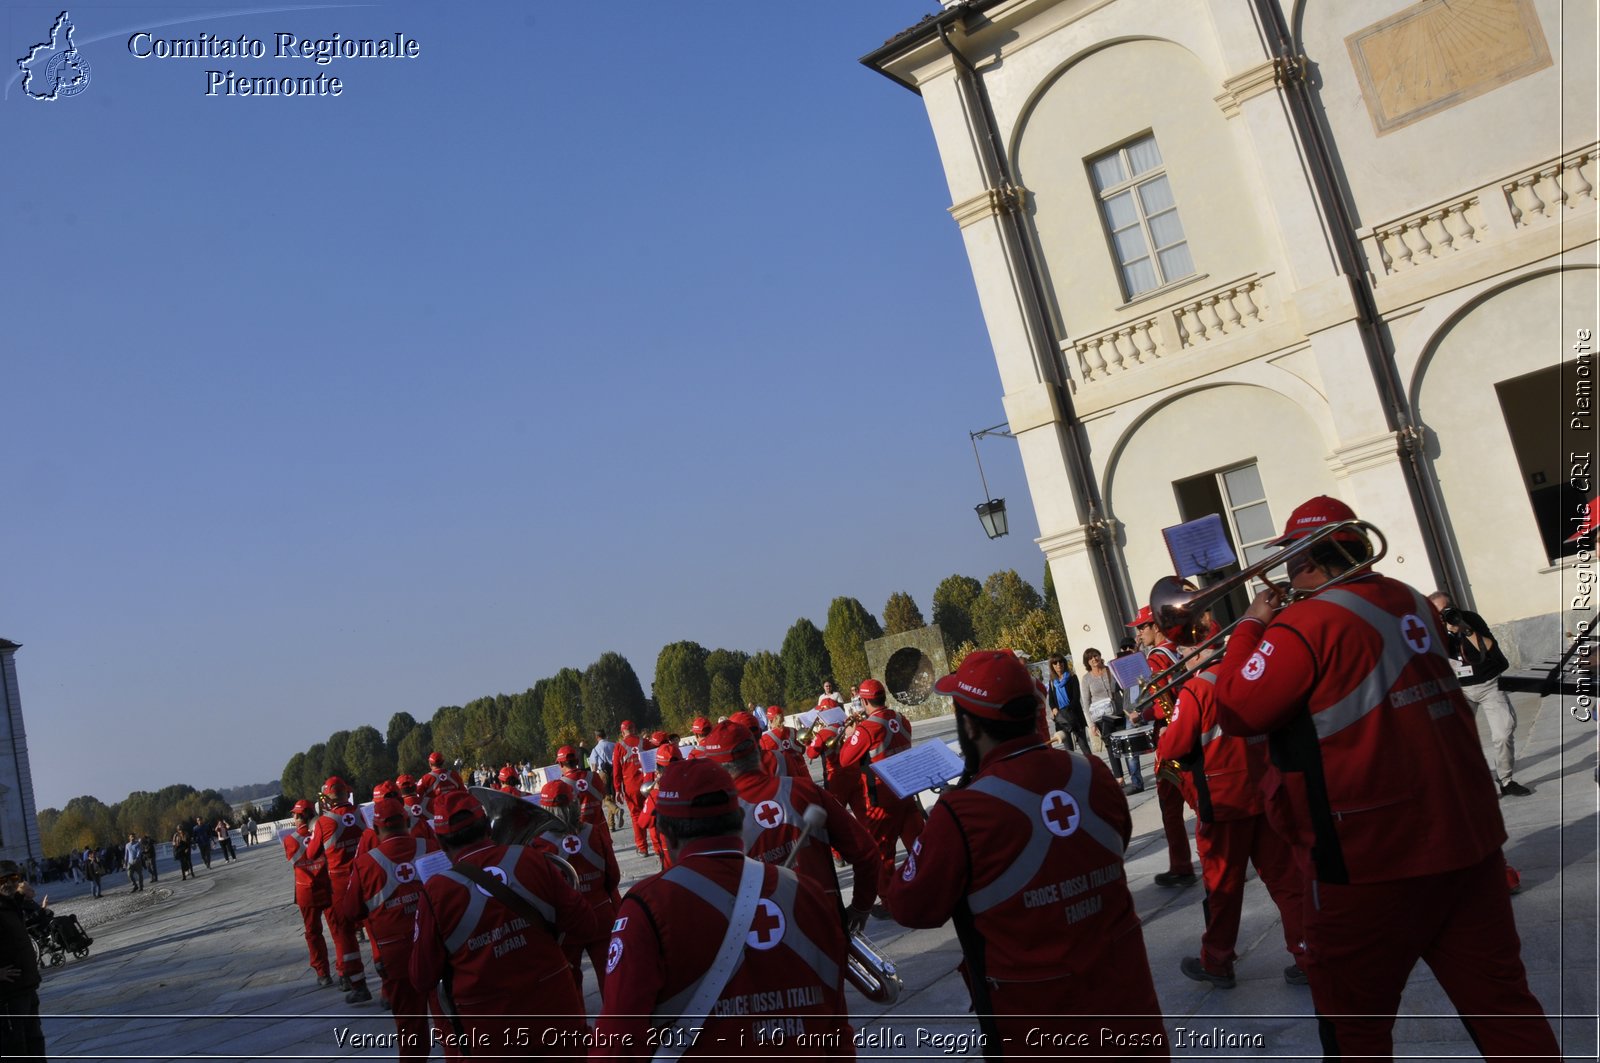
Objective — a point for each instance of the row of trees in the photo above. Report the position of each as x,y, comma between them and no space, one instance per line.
690,680
89,822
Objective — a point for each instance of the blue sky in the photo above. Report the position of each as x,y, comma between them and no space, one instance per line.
592,328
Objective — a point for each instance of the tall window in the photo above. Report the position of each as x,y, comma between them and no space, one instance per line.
1237,495
1141,216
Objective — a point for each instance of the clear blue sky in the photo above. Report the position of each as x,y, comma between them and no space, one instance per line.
595,327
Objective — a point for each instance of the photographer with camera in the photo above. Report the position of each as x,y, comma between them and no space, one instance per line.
1478,662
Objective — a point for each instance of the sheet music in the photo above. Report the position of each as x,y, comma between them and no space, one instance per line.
919,768
1198,546
431,864
805,720
366,814
1130,671
647,761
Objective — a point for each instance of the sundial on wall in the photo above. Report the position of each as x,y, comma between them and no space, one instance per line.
1438,53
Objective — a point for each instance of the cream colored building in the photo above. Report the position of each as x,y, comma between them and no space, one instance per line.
1236,253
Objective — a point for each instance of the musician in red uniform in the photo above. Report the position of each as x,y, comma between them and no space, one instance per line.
335,836
416,812
587,847
1379,783
369,836
384,887
782,975
439,779
1026,855
1224,774
780,740
1163,654
312,892
627,774
511,782
664,755
589,787
488,935
883,733
774,819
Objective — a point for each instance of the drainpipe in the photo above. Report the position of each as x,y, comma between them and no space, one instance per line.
996,176
1332,200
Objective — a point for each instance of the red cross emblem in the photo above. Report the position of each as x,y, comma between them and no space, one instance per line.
613,955
909,872
405,872
766,929
1416,633
348,819
894,726
769,814
581,785
496,873
571,843
416,811
1060,812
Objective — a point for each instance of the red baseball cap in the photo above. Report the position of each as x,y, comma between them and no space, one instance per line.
870,689
564,753
508,774
722,740
625,725
746,720
987,681
1313,514
695,789
301,807
555,794
388,812
436,759
666,753
454,810
405,782
382,790
828,703
1145,617
700,726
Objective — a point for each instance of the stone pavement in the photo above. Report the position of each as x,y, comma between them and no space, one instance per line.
215,968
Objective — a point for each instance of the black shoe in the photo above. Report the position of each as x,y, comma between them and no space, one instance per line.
324,981
1295,976
1133,788
1514,789
1195,969
1172,880
359,995
345,985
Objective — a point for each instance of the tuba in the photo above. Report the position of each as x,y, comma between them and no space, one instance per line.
871,972
513,821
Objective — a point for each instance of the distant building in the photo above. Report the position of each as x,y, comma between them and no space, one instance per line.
19,815
1236,253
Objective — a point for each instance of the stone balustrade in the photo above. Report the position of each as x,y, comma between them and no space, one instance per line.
1210,318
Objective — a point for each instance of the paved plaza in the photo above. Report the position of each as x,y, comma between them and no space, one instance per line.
215,968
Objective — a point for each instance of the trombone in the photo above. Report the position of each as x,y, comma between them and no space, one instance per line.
1179,611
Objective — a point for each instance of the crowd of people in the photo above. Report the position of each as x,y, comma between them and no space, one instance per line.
1327,743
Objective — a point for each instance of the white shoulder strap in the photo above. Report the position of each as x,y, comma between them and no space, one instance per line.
729,954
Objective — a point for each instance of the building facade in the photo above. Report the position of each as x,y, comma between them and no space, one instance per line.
1236,253
19,816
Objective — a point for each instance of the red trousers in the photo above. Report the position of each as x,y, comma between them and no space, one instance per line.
409,1006
1170,798
635,802
893,821
1227,848
346,949
1363,940
315,945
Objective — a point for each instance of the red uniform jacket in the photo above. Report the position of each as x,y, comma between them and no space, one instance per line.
436,782
667,933
782,742
383,890
1033,843
590,853
1225,771
1377,771
625,767
311,886
882,734
591,791
820,738
774,816
335,835
1162,658
497,961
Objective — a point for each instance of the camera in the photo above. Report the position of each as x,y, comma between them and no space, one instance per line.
1452,616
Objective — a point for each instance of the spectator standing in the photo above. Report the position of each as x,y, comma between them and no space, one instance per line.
202,837
1104,696
93,871
225,840
148,844
180,849
1478,662
1065,696
21,1035
133,857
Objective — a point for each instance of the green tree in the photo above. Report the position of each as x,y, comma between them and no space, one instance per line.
525,723
368,758
293,777
805,663
449,733
1035,635
849,628
762,681
412,756
483,732
563,709
1006,599
333,758
682,688
400,725
952,608
314,773
900,614
726,671
611,693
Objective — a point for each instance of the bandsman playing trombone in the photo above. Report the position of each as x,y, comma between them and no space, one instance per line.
1379,785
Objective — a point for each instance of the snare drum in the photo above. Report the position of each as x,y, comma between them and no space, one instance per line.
1131,741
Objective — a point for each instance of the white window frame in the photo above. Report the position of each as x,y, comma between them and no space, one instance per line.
1131,184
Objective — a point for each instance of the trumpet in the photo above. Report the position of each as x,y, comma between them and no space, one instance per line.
871,972
1180,612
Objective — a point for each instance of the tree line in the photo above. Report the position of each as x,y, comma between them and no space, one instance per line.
88,822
